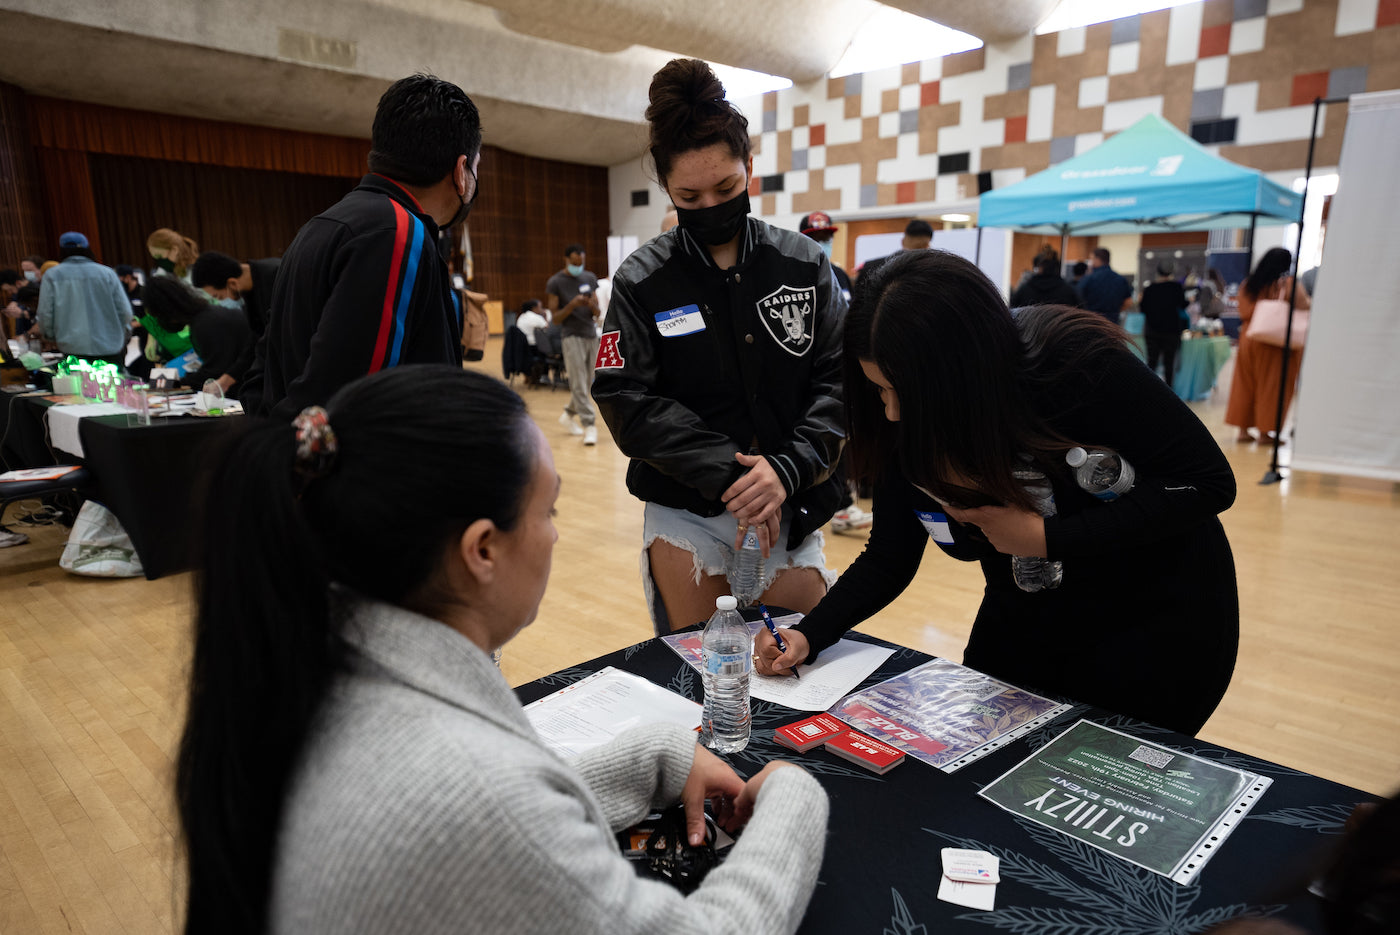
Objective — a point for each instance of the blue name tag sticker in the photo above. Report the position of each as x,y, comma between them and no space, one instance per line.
680,321
937,526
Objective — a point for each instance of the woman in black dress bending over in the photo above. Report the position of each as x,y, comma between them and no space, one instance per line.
947,394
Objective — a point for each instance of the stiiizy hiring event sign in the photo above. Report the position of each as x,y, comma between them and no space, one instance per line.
1156,807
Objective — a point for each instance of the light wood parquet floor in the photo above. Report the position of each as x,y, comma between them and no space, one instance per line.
91,671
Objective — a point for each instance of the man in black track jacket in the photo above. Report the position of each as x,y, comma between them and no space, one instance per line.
362,286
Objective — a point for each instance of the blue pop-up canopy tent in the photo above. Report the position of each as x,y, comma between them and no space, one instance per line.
1149,177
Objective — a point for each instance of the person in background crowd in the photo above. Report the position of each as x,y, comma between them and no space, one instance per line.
1103,290
531,319
917,236
1254,388
140,365
719,371
571,295
248,283
82,305
1045,286
29,267
218,331
1309,280
1163,307
669,220
21,304
172,253
132,286
387,778
819,227
1077,273
949,394
363,288
10,281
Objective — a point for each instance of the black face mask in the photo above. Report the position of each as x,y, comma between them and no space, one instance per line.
166,264
717,224
466,206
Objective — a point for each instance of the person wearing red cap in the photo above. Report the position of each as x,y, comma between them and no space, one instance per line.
819,226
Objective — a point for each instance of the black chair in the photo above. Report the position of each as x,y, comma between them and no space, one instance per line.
549,345
76,481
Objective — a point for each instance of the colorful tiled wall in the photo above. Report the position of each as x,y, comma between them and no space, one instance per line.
1239,75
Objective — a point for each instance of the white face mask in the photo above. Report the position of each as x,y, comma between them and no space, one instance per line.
826,247
30,275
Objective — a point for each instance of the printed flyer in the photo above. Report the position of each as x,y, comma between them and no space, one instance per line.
1155,807
945,714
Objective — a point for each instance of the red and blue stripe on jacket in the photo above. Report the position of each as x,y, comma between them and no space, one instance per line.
411,247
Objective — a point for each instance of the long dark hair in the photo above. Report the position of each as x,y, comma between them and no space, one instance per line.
423,451
1272,267
966,373
173,303
687,111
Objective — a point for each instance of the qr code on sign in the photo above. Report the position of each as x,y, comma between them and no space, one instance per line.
811,730
1152,757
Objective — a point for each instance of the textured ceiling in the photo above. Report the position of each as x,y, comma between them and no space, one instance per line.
553,78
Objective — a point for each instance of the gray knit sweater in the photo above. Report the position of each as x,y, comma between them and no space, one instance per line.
426,803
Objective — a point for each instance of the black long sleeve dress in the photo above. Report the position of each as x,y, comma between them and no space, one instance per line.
1146,619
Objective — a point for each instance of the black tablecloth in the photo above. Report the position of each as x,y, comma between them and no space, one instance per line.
882,864
147,475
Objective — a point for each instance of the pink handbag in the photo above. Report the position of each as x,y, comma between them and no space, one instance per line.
1269,324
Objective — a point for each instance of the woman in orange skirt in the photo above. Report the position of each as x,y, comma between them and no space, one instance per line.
1259,367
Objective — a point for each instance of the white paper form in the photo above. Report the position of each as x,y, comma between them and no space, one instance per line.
835,674
594,710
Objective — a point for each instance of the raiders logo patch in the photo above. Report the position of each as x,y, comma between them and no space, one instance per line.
788,313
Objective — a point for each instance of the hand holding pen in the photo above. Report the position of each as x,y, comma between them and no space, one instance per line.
777,637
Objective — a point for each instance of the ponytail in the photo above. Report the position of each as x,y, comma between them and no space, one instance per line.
264,653
418,454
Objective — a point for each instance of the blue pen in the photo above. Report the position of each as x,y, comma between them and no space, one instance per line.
773,629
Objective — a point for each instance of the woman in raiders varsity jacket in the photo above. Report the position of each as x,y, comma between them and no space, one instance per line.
719,370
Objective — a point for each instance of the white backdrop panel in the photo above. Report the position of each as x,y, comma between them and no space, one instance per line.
1348,404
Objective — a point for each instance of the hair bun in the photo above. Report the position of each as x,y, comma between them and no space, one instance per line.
688,110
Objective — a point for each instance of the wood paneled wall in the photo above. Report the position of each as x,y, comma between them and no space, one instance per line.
529,210
117,174
118,131
22,226
246,213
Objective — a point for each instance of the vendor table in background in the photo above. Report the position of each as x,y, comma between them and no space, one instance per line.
882,860
1198,363
148,475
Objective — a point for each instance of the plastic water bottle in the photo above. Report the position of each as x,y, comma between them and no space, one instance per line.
747,576
1032,572
726,650
1101,472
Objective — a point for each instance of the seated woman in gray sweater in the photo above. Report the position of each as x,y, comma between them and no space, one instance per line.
352,760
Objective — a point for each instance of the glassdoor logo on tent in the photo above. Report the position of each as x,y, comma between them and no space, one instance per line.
1099,203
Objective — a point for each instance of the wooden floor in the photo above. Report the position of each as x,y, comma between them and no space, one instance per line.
91,671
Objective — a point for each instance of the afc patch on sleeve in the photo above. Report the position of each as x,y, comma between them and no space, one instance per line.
609,352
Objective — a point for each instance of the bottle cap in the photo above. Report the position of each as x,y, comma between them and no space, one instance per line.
1076,456
727,602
